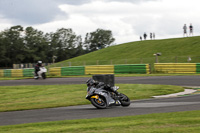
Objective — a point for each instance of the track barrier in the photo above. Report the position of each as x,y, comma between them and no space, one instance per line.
183,68
132,68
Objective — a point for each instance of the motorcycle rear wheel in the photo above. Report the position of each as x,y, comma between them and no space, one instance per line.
99,103
125,101
43,75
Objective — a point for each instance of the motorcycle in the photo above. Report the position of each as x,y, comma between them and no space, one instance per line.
41,73
101,98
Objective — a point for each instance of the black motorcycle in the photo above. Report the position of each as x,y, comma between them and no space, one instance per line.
102,98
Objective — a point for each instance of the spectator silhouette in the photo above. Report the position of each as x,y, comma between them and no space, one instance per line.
191,30
140,38
145,36
151,36
184,30
154,36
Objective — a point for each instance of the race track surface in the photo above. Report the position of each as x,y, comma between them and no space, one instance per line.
186,103
164,80
141,107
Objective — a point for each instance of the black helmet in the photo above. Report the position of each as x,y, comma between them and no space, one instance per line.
90,82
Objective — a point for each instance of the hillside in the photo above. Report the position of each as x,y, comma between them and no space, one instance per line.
173,50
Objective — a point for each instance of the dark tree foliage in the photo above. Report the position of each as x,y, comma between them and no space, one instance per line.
64,44
36,45
12,42
98,39
3,57
19,45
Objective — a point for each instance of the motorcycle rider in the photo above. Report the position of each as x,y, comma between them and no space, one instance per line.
37,68
90,82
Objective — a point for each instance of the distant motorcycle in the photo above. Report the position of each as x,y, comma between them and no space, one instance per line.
101,98
41,73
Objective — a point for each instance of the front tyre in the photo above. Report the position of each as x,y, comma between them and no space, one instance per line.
99,102
125,101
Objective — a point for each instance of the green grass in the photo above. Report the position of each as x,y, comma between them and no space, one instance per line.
173,50
178,122
48,96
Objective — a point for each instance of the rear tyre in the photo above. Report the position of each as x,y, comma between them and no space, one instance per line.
125,101
99,103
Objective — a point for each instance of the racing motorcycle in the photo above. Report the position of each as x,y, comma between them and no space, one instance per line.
41,73
101,98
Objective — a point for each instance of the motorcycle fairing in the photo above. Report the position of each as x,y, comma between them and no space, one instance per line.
100,92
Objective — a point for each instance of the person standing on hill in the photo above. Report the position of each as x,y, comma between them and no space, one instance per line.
145,36
184,30
191,30
151,36
154,36
140,38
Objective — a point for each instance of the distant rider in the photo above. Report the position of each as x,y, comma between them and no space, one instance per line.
37,68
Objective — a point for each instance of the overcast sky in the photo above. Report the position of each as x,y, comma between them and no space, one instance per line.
127,19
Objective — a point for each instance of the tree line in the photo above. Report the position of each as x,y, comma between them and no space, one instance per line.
28,45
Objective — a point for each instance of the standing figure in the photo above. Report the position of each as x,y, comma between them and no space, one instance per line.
151,36
191,30
154,36
145,36
184,30
140,38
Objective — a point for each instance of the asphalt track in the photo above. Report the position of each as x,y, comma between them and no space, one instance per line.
164,80
185,103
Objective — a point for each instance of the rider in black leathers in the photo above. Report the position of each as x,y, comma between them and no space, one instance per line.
37,67
91,82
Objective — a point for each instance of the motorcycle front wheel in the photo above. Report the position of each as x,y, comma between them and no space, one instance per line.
125,101
99,103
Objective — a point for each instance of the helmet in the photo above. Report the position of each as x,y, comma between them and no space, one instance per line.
40,62
90,82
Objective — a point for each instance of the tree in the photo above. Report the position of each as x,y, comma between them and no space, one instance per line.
13,41
64,43
98,39
3,57
36,45
30,45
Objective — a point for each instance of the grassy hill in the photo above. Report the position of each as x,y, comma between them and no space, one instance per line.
173,50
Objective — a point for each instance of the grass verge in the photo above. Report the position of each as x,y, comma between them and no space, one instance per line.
178,122
174,50
48,96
